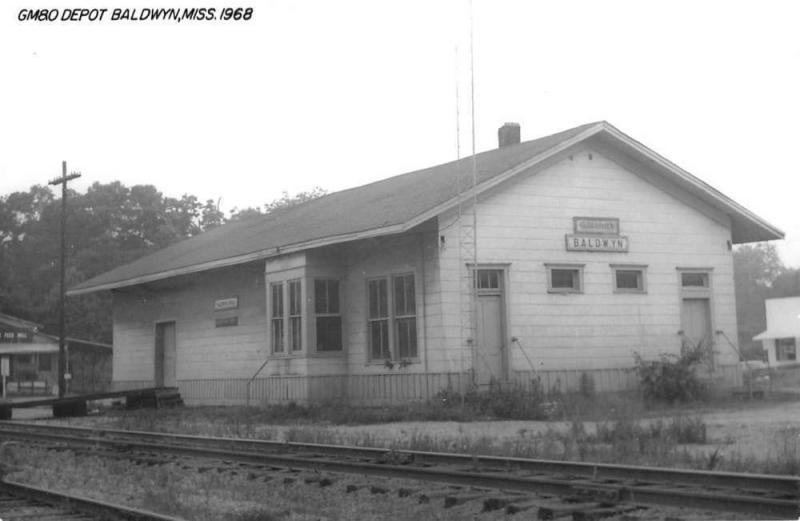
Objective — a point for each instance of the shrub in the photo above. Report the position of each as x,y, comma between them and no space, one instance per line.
671,378
513,402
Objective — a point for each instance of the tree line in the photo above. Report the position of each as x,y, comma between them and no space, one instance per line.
759,274
107,226
112,224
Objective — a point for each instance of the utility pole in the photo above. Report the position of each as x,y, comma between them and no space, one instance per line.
62,335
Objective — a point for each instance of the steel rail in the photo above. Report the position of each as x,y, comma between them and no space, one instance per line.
100,510
660,493
774,484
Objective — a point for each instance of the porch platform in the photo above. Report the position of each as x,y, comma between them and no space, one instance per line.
155,397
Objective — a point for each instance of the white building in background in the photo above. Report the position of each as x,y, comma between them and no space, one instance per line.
783,331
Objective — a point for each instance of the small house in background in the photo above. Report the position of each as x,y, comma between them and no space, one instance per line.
31,360
783,331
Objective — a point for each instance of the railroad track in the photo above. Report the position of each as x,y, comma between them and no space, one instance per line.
18,502
767,496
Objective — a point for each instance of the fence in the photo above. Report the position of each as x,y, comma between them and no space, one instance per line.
382,389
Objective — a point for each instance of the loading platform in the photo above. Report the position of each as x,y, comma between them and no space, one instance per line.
153,397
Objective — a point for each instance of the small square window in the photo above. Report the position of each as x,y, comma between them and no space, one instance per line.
628,279
694,280
565,279
488,279
785,349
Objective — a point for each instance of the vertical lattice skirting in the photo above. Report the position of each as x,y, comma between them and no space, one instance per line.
383,389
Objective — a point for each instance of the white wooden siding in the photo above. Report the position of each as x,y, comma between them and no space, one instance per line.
203,350
524,223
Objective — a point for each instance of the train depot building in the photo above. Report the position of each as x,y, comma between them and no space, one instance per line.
559,258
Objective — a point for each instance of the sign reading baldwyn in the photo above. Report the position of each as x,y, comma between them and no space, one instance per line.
596,234
596,243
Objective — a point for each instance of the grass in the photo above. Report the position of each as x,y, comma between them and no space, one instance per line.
583,426
207,496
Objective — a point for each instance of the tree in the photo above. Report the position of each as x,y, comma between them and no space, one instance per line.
110,225
285,201
755,267
787,284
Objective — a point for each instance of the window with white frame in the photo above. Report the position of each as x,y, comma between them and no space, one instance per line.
785,349
277,320
564,278
328,316
392,329
628,278
295,315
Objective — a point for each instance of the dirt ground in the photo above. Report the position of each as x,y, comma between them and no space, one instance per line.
759,429
751,431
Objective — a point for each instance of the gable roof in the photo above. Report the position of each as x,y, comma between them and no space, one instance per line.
395,205
18,322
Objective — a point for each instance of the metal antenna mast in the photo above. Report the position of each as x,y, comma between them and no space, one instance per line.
62,335
468,226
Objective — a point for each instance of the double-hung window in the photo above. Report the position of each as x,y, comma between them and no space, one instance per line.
392,318
378,321
295,315
328,316
405,316
276,292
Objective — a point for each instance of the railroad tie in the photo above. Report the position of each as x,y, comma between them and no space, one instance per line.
459,499
515,508
498,502
557,510
603,512
406,492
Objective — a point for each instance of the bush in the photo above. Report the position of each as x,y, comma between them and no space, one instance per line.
512,402
671,378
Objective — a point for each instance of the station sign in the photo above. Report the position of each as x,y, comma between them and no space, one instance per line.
596,225
226,303
617,244
10,335
226,322
599,234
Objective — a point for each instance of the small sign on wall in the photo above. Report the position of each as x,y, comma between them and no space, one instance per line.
226,303
596,234
596,225
226,322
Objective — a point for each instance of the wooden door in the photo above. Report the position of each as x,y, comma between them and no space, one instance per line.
165,355
696,323
489,360
490,339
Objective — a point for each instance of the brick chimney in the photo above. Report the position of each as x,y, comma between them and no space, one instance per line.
508,134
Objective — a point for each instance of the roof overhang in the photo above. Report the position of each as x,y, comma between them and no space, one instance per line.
23,349
772,334
747,227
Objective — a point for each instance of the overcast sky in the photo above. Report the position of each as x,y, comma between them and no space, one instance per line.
337,94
